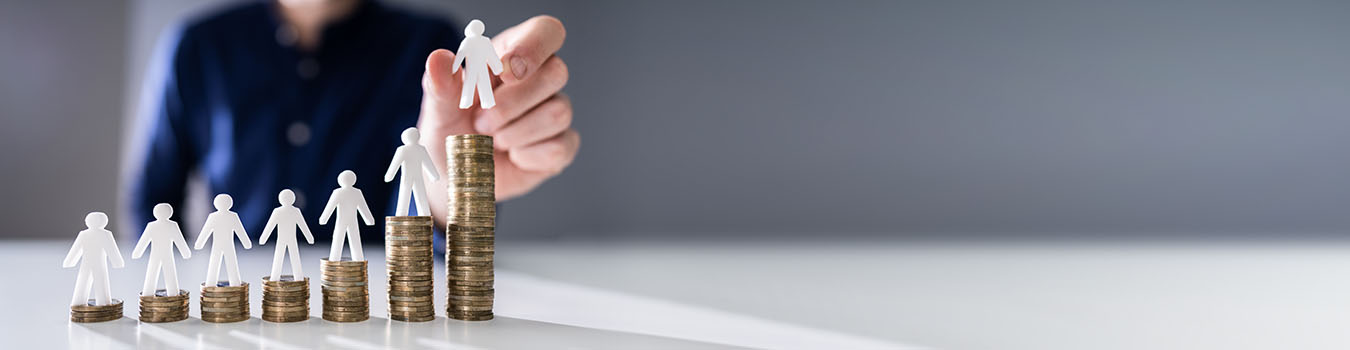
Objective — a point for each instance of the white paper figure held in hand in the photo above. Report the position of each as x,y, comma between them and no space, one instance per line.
285,219
477,54
161,236
414,160
347,201
92,249
222,226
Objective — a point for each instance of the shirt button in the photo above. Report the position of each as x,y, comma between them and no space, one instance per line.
299,198
298,134
286,36
307,68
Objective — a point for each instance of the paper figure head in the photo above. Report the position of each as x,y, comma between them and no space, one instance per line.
347,178
286,197
96,220
163,211
410,136
475,28
223,202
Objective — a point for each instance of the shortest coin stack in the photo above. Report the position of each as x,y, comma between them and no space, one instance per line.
89,312
163,307
223,303
286,299
346,295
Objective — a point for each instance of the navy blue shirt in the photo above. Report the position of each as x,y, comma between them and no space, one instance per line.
254,114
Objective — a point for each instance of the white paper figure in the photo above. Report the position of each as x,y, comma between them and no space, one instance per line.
222,226
285,218
347,201
413,159
162,236
92,249
477,54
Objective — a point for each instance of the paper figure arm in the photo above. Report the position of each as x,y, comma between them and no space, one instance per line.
115,253
459,57
395,164
239,231
76,251
429,167
206,230
267,229
496,62
141,244
364,209
179,242
328,209
304,228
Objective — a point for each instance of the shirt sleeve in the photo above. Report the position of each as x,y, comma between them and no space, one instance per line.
162,151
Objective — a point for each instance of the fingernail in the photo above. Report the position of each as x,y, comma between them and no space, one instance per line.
484,123
518,67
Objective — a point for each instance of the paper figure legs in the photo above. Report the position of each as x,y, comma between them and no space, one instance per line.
348,202
161,236
92,249
285,219
477,54
414,160
222,226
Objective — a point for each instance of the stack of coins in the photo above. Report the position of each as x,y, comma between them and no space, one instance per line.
224,303
472,222
286,299
407,245
163,307
89,312
346,296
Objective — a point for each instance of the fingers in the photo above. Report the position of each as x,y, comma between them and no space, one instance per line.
439,82
440,113
549,156
523,95
528,45
546,120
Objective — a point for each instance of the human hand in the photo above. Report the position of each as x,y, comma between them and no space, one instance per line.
531,123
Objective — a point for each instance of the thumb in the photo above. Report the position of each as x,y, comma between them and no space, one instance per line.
526,46
438,82
440,99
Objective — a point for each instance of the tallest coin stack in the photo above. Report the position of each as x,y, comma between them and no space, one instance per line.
472,221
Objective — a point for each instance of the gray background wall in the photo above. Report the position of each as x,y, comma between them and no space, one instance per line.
857,118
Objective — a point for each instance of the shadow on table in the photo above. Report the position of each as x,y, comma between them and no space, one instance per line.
376,333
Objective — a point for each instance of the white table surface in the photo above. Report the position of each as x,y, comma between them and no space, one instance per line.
790,295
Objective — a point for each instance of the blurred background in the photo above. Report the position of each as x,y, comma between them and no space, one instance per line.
808,119
1035,174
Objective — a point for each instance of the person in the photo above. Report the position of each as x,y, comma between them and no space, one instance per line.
93,249
477,55
264,95
348,202
413,160
161,236
285,219
223,225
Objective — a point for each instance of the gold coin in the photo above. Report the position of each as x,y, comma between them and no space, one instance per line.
297,308
359,303
161,294
164,303
91,306
346,308
356,283
345,319
426,291
344,289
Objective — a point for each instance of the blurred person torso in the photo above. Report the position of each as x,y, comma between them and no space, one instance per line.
236,100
